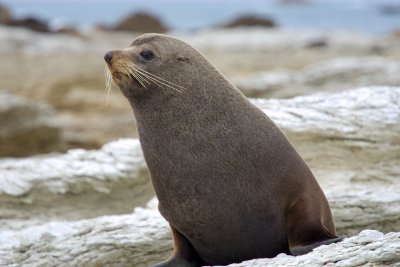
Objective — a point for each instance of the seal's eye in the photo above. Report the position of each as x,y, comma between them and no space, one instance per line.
147,55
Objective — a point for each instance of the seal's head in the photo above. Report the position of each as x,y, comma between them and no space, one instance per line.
153,62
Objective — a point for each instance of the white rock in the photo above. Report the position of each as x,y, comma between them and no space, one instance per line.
356,208
78,184
350,252
123,240
348,137
143,238
367,236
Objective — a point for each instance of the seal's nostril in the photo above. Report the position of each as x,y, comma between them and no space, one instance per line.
108,57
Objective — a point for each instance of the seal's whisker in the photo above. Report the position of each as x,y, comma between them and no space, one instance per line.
109,83
155,81
152,80
159,78
158,82
131,74
145,77
139,80
108,79
139,77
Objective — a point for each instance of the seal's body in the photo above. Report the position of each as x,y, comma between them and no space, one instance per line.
229,183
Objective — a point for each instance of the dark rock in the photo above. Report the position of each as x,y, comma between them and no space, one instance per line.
318,43
31,23
67,30
141,22
5,15
250,21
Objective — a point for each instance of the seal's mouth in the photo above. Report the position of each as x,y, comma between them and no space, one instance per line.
121,72
119,75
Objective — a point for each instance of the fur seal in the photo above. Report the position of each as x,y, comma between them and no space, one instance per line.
228,181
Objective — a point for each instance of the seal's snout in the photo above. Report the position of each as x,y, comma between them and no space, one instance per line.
108,57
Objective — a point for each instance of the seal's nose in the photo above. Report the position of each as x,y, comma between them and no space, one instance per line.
108,57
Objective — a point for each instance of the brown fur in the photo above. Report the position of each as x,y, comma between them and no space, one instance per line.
229,183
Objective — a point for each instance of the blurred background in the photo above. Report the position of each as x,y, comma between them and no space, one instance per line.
52,82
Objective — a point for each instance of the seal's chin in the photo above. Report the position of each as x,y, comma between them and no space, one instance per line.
128,85
117,76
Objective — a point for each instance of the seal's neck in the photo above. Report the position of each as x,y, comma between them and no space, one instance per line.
166,109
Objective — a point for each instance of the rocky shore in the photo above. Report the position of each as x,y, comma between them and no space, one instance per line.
74,187
50,204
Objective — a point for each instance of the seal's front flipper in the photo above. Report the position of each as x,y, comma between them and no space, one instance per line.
296,251
184,254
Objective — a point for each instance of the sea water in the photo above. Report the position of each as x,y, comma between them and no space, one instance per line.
350,15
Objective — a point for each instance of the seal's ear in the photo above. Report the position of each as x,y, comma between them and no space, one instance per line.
181,57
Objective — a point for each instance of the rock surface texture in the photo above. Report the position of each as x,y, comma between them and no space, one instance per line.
143,238
126,240
369,248
51,206
329,75
81,184
27,127
351,137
